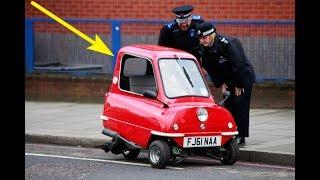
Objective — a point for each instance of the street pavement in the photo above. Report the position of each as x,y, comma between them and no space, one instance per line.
271,131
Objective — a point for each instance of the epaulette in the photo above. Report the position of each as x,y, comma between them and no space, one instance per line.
171,24
224,40
196,17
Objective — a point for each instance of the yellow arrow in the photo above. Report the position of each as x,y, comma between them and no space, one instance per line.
97,44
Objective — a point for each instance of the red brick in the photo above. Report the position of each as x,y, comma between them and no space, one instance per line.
239,3
152,9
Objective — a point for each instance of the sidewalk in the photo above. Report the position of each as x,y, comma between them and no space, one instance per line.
272,131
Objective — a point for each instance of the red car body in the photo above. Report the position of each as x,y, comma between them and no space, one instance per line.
140,119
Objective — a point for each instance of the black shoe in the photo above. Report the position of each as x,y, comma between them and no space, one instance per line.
241,141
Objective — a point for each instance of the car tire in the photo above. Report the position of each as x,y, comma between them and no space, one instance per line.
159,154
131,154
231,153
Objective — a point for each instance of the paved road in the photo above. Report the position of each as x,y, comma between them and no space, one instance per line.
64,162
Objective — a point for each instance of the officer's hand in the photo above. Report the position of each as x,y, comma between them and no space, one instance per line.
204,72
238,91
224,88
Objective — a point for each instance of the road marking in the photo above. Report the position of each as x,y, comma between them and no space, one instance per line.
97,160
63,147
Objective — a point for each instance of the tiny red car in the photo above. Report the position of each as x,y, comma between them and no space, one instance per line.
160,101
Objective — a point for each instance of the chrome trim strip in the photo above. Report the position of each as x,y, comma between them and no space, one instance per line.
167,134
104,117
229,133
113,119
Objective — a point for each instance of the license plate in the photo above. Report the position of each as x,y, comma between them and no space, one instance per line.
201,141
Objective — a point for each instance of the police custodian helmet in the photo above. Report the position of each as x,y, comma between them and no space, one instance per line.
205,29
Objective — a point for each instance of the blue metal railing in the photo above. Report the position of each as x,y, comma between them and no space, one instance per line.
116,25
29,45
115,39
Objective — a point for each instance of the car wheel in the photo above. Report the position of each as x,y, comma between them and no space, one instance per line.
159,154
131,154
231,153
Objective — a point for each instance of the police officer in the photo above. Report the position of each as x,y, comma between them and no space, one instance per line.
181,33
228,67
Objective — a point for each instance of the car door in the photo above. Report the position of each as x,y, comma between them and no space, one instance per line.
133,114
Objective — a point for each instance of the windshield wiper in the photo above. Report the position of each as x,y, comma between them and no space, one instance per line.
184,71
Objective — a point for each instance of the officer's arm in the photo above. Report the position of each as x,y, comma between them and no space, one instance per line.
216,80
211,69
165,37
236,55
200,53
197,19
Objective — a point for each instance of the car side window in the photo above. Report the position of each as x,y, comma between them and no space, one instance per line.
136,74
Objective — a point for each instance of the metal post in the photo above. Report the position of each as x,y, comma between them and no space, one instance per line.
29,46
115,40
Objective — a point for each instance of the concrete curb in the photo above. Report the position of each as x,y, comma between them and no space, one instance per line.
267,157
245,155
62,140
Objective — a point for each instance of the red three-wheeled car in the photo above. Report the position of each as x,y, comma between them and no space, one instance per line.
160,101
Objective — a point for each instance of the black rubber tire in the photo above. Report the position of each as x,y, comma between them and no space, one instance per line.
131,154
164,155
232,152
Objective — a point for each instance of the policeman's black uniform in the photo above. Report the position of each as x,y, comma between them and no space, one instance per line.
226,62
172,36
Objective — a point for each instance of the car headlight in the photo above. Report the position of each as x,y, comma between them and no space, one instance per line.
202,114
230,125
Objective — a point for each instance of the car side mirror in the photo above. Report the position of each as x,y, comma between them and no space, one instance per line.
149,94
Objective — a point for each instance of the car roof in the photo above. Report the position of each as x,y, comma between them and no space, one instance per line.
154,51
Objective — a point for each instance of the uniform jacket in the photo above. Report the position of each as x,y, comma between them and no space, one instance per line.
226,62
172,36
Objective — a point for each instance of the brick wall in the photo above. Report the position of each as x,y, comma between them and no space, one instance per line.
43,88
66,88
92,89
155,9
87,28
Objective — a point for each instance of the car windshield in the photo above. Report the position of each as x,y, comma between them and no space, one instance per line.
181,77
